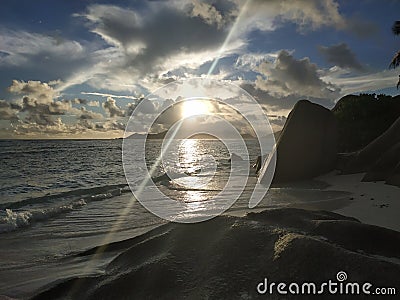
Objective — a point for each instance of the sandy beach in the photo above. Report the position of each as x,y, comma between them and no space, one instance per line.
374,203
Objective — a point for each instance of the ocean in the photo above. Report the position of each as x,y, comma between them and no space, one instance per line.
61,197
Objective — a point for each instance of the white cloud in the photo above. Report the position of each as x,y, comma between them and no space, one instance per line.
93,103
307,14
251,61
38,104
350,83
59,129
112,108
89,115
312,13
163,36
137,50
41,92
21,46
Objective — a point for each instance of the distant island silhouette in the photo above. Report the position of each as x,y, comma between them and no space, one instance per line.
161,135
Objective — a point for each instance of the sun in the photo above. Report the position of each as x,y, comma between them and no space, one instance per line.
194,107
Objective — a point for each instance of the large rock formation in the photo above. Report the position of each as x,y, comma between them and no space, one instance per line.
313,136
385,166
227,257
370,154
307,146
380,158
394,178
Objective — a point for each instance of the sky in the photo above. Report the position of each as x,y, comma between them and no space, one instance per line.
77,69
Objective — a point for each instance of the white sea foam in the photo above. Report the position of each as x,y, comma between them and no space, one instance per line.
13,220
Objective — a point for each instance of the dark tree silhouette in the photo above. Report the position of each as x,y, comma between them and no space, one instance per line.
396,28
396,58
395,61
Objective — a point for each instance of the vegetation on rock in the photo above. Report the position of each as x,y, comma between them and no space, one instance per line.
362,118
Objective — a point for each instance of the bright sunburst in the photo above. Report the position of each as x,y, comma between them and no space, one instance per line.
194,107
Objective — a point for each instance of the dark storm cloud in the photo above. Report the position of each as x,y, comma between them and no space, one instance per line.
341,56
148,41
290,76
281,103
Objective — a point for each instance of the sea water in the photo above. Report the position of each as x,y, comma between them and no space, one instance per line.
61,197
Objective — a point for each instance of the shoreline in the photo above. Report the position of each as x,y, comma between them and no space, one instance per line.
355,202
374,203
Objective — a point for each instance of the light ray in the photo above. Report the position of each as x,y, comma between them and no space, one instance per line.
228,37
152,170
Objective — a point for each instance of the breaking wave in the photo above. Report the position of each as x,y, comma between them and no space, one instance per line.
95,193
15,215
14,219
